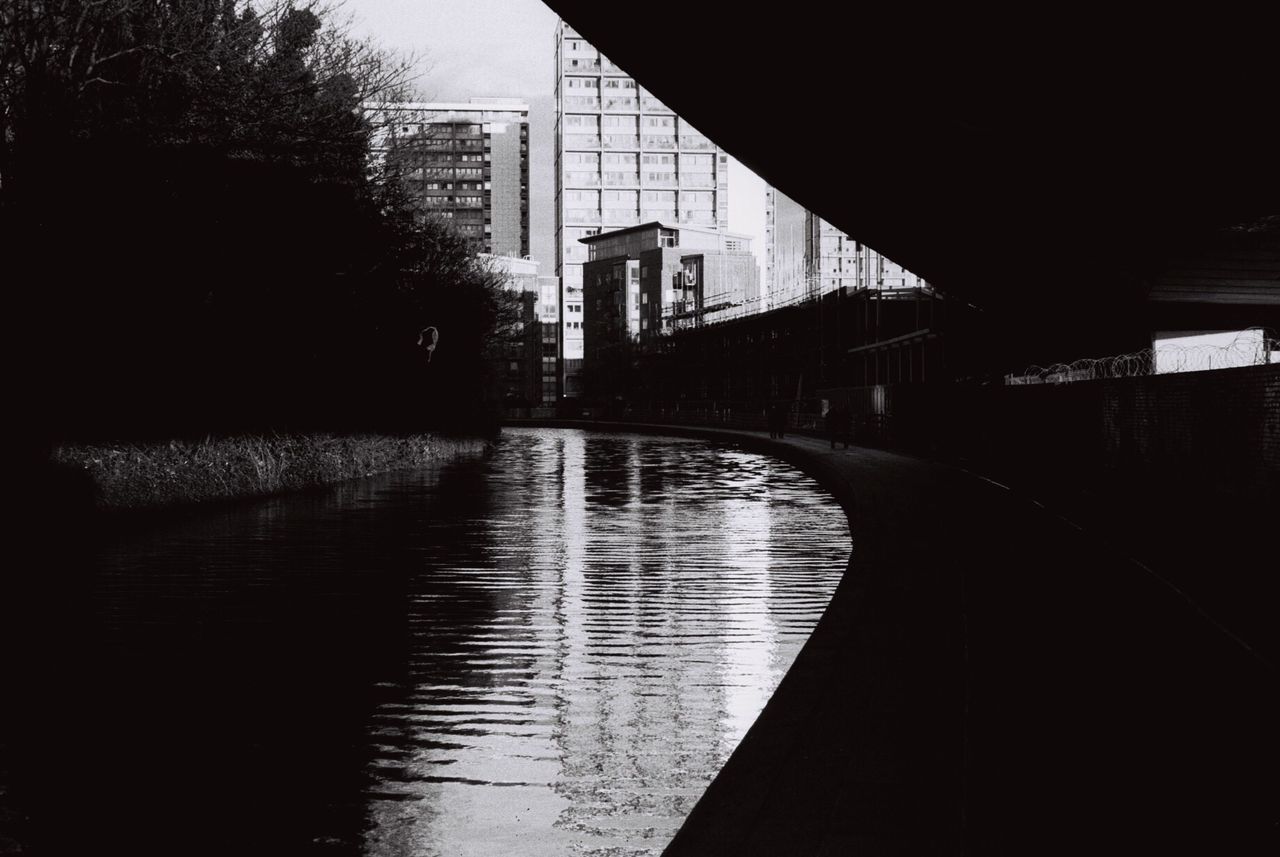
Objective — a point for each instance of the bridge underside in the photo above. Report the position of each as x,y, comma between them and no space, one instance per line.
1046,170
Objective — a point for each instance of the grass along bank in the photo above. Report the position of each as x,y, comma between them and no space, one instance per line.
178,473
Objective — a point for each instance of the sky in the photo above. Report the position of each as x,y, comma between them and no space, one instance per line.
506,48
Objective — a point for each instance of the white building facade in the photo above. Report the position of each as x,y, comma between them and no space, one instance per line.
622,159
805,256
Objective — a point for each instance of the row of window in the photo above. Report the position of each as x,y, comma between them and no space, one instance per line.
692,163
623,103
620,179
594,83
589,65
578,121
458,186
442,128
593,198
445,201
435,143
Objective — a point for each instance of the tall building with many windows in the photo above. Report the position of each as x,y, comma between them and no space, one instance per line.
622,159
468,162
805,256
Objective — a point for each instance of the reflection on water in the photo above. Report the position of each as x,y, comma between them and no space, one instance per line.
550,651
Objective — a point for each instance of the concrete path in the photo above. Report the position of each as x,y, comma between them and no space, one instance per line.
989,679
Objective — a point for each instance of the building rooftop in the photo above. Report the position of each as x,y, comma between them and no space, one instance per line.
654,224
502,105
516,265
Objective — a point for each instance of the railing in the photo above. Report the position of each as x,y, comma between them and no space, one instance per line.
657,141
621,141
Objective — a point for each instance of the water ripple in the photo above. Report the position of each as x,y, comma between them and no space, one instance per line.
548,651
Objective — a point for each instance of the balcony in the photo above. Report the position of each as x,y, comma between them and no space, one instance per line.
621,216
696,144
621,179
581,141
621,141
698,181
659,141
581,65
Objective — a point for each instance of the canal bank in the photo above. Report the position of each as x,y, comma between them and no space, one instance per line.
172,477
991,679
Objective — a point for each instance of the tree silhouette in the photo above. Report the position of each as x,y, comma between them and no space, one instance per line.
197,239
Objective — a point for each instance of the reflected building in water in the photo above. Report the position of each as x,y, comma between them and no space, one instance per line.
615,628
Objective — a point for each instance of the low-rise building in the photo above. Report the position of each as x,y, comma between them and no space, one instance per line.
644,282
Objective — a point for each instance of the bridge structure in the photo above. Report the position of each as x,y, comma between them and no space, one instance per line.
1074,183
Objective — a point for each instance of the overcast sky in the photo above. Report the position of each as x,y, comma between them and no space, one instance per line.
506,48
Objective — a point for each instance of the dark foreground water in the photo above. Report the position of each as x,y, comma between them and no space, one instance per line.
549,651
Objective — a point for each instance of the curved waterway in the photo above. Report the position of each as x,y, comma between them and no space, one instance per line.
548,651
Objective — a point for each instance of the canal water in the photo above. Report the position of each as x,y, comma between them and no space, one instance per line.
550,650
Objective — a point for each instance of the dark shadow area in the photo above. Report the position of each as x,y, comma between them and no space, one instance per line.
1043,167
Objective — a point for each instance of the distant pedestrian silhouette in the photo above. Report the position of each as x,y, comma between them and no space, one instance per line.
776,416
839,424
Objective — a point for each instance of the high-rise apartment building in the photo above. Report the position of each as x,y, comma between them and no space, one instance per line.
805,256
468,162
622,159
